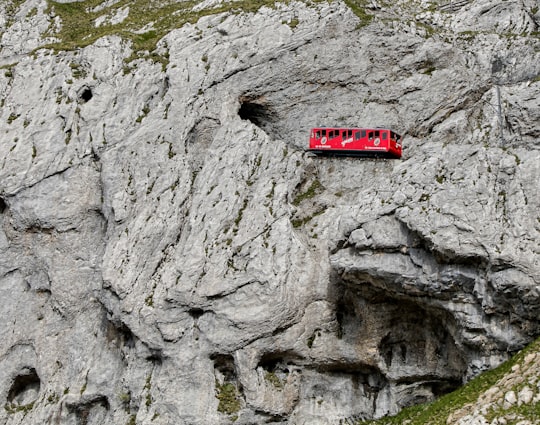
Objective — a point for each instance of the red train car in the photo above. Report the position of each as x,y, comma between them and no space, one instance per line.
378,142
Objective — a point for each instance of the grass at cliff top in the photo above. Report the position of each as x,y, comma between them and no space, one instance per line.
146,23
437,412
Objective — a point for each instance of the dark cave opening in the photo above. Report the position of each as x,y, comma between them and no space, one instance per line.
196,313
25,387
224,365
282,361
3,206
257,111
86,94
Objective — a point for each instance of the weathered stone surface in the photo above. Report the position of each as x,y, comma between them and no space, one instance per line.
165,240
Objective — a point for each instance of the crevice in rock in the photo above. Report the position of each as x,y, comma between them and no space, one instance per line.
224,367
156,356
3,206
119,334
280,359
442,257
453,6
267,418
25,388
454,258
434,385
360,370
90,409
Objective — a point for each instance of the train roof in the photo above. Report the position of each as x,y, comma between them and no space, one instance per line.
355,128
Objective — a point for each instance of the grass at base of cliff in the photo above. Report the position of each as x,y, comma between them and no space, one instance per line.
437,412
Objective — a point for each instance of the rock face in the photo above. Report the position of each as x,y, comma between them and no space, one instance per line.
169,253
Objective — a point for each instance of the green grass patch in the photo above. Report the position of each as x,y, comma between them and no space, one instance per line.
145,25
238,218
299,222
13,408
274,380
229,399
315,187
437,412
359,9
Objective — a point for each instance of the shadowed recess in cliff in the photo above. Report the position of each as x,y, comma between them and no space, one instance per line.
280,362
25,388
418,354
198,141
119,334
89,409
85,94
229,391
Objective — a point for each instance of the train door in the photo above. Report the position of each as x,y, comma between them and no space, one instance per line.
385,142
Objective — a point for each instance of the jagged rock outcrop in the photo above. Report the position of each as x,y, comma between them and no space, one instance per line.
169,253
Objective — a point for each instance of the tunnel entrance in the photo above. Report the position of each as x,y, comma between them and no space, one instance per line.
260,112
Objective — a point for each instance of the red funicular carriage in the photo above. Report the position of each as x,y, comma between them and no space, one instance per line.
377,142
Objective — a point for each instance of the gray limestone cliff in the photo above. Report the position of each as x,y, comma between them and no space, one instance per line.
171,254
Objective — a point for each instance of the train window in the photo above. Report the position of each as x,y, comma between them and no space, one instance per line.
363,133
370,135
377,133
384,135
357,135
